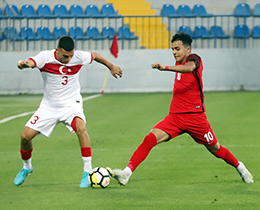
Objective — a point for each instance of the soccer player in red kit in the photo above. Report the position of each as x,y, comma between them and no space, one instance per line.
186,115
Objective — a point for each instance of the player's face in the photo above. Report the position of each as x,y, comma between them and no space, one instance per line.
63,55
180,52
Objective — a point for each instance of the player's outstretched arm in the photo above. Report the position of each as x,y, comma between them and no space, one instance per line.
187,68
115,70
28,63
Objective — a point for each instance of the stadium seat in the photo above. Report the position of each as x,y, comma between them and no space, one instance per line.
61,11
241,32
93,33
184,11
109,11
256,32
44,34
217,32
28,34
187,30
108,32
12,10
44,11
28,11
92,10
242,10
256,11
12,34
168,10
202,32
76,10
77,33
125,33
200,10
58,32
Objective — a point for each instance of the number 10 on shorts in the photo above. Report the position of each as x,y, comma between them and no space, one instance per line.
209,136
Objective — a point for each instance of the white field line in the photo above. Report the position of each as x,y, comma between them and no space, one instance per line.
28,113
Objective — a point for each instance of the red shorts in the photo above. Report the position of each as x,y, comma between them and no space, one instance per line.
195,124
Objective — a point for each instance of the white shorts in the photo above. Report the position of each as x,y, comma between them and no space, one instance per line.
46,118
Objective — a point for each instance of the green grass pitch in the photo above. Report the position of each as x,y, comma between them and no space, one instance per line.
179,174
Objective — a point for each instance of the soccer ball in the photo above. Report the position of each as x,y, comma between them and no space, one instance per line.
99,178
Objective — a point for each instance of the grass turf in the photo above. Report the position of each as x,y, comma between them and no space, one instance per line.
179,174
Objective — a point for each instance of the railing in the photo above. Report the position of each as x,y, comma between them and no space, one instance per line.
146,32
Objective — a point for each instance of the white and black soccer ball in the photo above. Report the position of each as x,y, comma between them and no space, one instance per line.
99,178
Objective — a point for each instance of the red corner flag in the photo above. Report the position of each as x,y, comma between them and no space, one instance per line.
114,47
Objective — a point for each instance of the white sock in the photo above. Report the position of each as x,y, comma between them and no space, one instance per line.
128,172
27,164
87,164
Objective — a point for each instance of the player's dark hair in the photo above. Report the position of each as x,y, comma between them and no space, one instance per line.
185,38
66,43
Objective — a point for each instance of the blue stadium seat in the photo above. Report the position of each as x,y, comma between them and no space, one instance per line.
256,32
61,11
12,34
218,32
44,11
77,33
108,32
93,33
92,10
200,10
184,11
125,33
109,11
168,10
58,32
28,11
202,32
28,34
77,10
242,10
12,10
44,34
256,11
187,30
241,32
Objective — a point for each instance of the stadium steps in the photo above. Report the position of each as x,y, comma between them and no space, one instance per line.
151,31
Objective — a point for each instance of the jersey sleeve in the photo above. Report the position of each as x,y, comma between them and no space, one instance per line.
86,57
195,58
39,59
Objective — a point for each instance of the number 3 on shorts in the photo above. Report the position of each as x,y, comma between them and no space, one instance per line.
35,119
208,136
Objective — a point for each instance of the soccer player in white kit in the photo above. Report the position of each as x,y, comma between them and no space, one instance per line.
61,102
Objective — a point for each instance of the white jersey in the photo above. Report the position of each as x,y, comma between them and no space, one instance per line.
61,81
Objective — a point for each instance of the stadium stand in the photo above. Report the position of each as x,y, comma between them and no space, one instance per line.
168,10
93,33
200,10
77,33
28,34
202,32
58,32
242,10
217,31
184,11
241,32
108,32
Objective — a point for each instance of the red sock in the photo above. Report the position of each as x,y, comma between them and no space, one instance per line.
26,154
86,151
142,151
227,156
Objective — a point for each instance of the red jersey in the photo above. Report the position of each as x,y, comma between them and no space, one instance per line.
188,93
